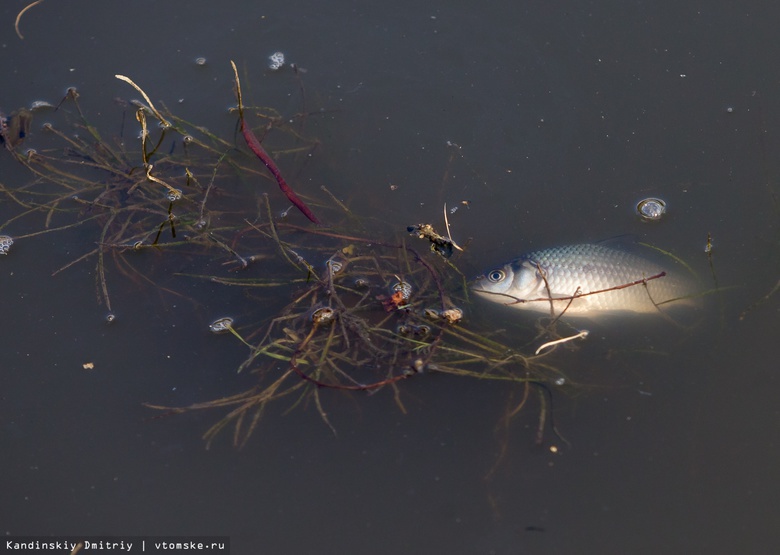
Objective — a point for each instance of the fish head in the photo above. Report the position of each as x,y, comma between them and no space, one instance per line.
511,283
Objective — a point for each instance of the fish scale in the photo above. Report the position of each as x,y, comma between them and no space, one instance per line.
546,280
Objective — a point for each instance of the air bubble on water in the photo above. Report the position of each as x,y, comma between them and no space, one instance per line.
323,316
560,381
5,243
404,288
40,104
651,209
335,264
452,315
201,61
110,317
221,325
174,195
432,313
276,60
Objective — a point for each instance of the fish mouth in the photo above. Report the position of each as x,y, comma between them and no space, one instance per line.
474,285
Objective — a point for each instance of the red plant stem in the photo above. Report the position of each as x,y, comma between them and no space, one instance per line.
255,146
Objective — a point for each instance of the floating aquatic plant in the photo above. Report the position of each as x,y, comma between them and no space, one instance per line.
365,313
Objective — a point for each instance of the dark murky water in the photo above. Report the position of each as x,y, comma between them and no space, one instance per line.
565,117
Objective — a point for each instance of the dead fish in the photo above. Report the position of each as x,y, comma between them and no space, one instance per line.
584,280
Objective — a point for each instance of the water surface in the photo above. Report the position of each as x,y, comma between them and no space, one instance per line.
564,117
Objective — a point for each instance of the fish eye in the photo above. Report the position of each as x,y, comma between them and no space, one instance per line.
496,275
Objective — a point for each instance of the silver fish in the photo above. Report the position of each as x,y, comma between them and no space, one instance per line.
583,280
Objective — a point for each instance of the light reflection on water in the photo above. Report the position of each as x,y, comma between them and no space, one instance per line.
560,134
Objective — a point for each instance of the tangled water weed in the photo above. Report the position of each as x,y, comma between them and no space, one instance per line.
378,312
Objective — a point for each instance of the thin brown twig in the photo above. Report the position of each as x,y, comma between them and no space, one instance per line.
157,114
19,17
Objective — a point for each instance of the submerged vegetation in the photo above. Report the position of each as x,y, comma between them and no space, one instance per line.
378,312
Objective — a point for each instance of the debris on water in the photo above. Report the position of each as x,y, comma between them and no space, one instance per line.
200,61
432,313
708,246
5,243
40,105
15,127
412,330
651,209
401,293
323,316
439,244
450,315
362,283
335,264
581,335
174,195
221,325
404,288
276,60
